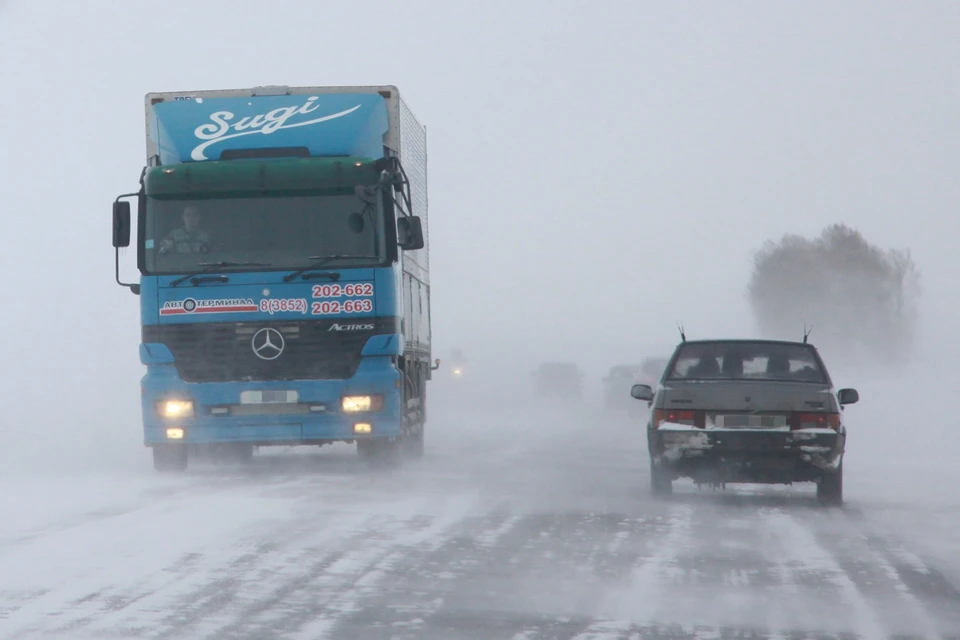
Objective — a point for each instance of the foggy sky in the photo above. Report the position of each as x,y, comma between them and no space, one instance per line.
598,171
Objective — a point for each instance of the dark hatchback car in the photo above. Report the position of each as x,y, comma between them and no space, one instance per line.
747,411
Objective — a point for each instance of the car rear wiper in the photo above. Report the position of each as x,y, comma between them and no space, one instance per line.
322,260
213,266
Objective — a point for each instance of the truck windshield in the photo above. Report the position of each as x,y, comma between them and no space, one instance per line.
283,231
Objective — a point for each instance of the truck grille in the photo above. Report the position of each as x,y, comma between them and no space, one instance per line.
223,351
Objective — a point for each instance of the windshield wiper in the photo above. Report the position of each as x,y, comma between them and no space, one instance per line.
322,260
213,266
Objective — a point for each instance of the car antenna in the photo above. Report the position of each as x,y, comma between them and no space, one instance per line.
683,336
806,332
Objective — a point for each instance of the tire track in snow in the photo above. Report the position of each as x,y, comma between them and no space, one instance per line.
299,585
208,480
644,598
915,599
95,571
808,556
508,570
413,586
852,560
328,603
217,571
311,622
364,557
730,566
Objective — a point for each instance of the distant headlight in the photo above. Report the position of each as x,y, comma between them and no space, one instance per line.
457,372
175,409
355,404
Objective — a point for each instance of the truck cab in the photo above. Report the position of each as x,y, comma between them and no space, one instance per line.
282,251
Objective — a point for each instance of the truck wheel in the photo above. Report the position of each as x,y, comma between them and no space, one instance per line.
240,453
365,449
169,458
830,488
380,453
661,483
413,444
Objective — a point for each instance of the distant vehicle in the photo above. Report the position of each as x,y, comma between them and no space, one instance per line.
559,380
617,382
622,377
751,411
458,363
651,370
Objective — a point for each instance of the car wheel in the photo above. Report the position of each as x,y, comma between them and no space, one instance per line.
169,458
830,488
661,483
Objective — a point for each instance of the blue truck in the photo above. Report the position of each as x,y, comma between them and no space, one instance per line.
282,245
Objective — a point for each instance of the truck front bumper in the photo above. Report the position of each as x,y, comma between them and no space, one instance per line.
285,412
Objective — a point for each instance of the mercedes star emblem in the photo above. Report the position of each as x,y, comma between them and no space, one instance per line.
267,344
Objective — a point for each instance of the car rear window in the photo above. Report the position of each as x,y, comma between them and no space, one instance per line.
747,361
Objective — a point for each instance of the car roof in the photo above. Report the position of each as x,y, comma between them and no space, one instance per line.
795,343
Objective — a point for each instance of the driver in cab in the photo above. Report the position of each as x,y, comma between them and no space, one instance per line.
189,238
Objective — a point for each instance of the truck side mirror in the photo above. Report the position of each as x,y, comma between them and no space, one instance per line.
121,224
410,233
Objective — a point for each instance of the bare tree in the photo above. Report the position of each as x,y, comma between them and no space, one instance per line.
863,300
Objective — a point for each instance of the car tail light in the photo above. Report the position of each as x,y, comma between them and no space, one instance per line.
815,421
692,418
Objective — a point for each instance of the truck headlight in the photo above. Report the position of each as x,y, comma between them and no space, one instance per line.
354,404
175,408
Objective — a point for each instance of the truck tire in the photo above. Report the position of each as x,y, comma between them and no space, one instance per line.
661,484
240,454
170,458
412,441
830,488
380,453
413,444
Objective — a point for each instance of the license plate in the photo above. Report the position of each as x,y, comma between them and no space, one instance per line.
268,396
750,421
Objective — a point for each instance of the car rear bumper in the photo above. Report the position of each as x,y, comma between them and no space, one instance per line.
747,455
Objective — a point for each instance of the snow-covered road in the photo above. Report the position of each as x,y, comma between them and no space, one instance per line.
548,533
